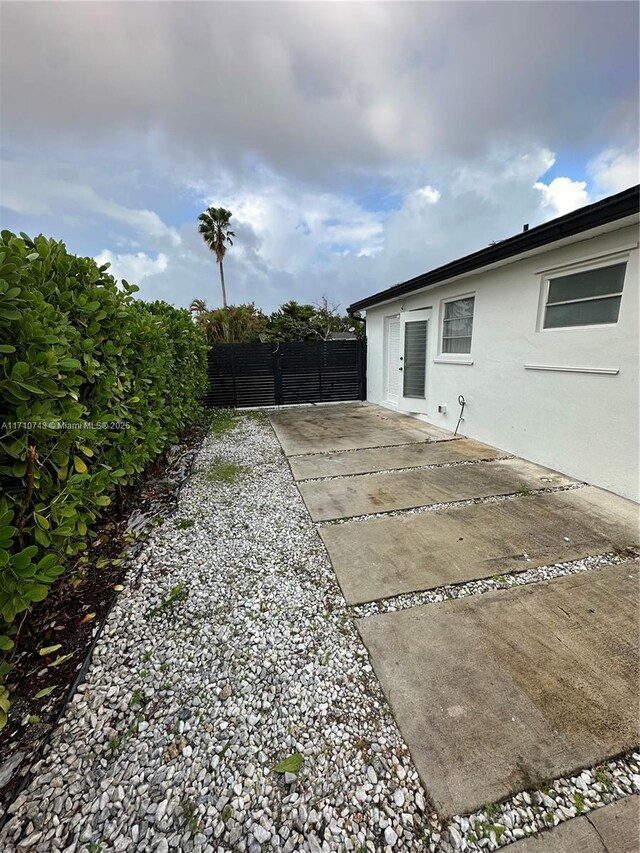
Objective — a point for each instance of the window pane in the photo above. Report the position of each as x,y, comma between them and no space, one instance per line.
457,325
415,358
459,308
583,313
456,328
584,284
456,344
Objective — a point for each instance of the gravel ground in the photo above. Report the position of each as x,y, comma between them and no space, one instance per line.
230,650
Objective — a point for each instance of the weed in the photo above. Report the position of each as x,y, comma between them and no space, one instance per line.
500,578
184,523
363,746
96,846
227,812
578,801
178,593
258,415
602,776
115,745
147,655
524,490
548,816
492,810
190,816
484,829
138,697
224,472
221,421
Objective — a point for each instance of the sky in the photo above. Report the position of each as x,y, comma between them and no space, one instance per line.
356,144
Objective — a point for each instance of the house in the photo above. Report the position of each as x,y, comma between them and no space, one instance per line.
342,336
538,334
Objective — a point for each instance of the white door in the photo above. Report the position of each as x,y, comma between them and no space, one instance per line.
414,336
392,372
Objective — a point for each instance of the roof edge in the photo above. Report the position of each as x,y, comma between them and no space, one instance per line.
601,212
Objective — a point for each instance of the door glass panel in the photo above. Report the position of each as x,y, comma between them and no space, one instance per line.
415,358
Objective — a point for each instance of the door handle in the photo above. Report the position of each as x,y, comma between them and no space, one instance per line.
400,368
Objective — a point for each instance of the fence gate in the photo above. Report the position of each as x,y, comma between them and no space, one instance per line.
285,373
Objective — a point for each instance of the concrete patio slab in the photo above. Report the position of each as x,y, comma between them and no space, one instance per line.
612,829
348,426
385,557
574,836
498,692
618,825
374,459
327,500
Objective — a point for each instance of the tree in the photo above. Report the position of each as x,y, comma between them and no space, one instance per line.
214,227
198,307
235,324
292,322
296,322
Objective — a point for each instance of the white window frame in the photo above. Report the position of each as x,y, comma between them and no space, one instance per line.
454,357
569,269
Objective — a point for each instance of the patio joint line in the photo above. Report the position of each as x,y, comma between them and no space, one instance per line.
373,447
479,586
446,505
452,464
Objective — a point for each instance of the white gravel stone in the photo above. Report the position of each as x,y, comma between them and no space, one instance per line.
390,836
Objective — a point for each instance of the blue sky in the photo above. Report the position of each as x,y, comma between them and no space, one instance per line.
357,144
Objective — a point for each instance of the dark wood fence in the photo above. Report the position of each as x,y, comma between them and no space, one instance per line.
242,375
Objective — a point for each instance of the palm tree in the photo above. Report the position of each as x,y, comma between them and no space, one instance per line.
198,306
214,227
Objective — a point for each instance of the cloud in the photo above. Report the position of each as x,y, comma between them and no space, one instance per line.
295,243
614,170
562,195
27,189
322,91
292,227
357,144
132,267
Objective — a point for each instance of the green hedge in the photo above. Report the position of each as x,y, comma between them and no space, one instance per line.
94,384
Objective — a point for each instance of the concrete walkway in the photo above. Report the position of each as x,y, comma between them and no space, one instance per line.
612,829
368,460
385,557
496,691
346,497
348,426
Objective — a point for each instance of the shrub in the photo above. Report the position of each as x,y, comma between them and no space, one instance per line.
235,324
124,378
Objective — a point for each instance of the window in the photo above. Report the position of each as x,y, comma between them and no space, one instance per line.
457,325
587,298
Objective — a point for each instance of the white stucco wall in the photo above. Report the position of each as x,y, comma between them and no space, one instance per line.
583,424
